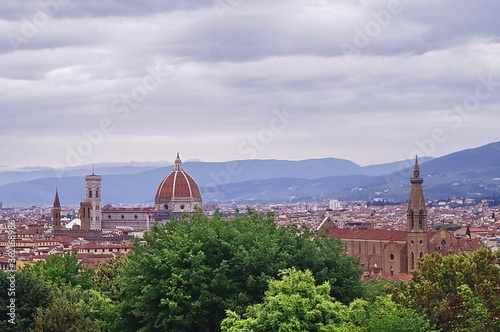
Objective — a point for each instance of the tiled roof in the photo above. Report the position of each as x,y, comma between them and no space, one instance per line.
368,234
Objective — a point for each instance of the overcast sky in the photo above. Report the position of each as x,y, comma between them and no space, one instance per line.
369,81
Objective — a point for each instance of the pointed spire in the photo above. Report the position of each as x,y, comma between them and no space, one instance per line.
56,200
178,164
92,168
416,169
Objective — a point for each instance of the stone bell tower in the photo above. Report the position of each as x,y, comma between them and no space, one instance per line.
93,196
416,216
56,213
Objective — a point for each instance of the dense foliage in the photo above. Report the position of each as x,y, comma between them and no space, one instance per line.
247,274
188,273
296,304
73,309
458,292
28,293
62,270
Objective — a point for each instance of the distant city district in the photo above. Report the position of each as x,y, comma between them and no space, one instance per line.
388,238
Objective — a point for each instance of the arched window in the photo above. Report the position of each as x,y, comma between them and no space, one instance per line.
421,254
90,193
420,218
412,221
97,194
412,262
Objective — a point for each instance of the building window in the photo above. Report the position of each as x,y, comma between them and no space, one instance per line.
443,242
182,206
359,247
412,220
421,254
165,206
123,217
97,194
90,193
374,249
109,216
135,216
391,256
421,242
420,219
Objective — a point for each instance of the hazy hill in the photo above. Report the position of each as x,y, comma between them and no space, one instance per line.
467,173
40,173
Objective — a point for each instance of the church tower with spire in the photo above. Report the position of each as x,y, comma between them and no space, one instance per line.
416,216
93,196
56,213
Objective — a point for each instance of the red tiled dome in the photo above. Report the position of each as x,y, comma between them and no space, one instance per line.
178,184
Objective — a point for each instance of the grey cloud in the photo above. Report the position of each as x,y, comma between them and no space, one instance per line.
227,75
16,10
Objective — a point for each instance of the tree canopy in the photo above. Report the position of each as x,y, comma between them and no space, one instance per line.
63,270
295,304
28,294
186,274
457,292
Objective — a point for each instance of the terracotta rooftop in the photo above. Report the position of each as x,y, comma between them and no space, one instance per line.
368,234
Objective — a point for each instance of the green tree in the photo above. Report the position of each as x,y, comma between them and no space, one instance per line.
456,292
75,309
28,293
384,315
107,273
376,287
296,304
62,270
186,274
292,304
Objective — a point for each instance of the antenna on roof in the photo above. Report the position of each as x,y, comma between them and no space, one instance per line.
92,168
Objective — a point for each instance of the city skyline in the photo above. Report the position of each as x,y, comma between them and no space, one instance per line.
371,82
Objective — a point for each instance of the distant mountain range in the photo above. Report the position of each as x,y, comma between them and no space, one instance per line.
468,173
